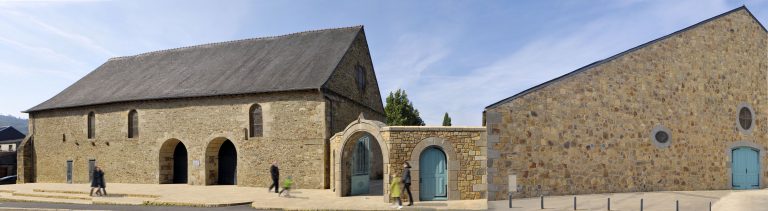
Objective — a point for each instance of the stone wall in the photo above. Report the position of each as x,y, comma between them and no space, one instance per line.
465,149
591,132
294,135
345,101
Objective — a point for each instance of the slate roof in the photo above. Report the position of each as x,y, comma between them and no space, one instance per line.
594,64
10,133
297,61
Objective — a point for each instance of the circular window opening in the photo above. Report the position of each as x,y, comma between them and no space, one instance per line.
745,118
661,136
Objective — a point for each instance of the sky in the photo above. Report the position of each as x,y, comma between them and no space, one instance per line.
449,56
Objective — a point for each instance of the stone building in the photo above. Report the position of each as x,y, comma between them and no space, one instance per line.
221,113
9,141
210,114
682,112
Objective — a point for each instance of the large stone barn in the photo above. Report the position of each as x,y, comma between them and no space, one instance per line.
217,113
682,112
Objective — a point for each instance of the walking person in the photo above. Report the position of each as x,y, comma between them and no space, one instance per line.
395,191
95,184
407,181
102,182
275,172
286,187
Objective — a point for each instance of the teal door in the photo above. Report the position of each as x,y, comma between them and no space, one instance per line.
745,168
433,175
361,167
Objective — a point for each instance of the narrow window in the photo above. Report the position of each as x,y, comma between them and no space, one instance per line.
360,77
91,125
255,121
133,124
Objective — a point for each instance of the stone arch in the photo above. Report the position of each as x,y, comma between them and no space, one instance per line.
452,160
168,162
212,160
341,165
737,144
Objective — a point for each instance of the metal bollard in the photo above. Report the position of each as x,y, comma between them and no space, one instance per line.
574,203
677,205
710,206
609,203
542,202
641,204
510,200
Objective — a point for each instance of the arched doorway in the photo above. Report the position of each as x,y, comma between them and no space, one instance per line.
745,169
221,162
180,163
363,168
173,162
433,174
227,164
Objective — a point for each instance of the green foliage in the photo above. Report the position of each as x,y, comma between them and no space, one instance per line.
400,110
18,123
446,120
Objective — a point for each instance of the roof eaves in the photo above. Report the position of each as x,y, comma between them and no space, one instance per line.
589,66
165,98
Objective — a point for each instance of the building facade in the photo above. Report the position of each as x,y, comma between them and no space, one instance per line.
10,138
683,112
211,114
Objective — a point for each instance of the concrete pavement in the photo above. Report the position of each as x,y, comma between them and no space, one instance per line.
213,196
722,200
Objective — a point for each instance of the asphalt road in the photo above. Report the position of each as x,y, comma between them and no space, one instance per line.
39,205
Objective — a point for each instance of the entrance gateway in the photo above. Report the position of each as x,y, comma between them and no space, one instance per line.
745,168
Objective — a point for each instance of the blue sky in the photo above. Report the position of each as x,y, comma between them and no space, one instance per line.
449,56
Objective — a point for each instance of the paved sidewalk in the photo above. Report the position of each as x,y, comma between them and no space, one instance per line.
213,196
722,200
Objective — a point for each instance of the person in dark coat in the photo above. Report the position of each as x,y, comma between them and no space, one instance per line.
102,183
95,183
275,172
407,181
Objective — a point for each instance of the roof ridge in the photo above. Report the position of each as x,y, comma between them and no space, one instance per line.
620,54
233,41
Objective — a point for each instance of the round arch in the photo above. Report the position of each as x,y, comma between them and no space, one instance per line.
170,164
452,162
349,136
212,158
729,153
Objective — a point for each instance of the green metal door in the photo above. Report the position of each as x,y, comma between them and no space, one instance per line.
745,168
433,175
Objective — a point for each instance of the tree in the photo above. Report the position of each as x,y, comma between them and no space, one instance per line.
400,110
446,120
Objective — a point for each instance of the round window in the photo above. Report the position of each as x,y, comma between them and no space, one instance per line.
745,118
661,137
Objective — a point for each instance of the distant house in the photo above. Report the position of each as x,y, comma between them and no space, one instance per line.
9,142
